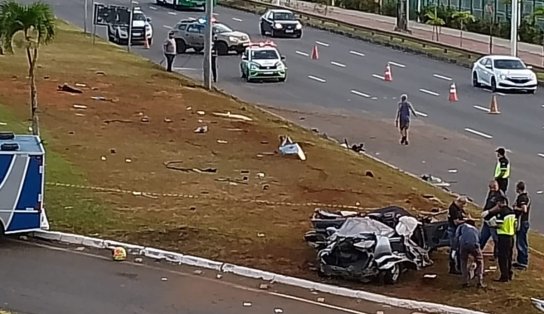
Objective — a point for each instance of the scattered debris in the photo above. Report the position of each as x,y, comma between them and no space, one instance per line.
236,130
100,73
167,120
320,300
260,175
539,304
201,113
201,129
539,192
128,160
369,173
315,130
188,108
219,276
103,158
3,123
80,248
117,120
113,151
197,272
232,116
260,235
138,260
380,312
80,114
69,89
278,310
231,181
222,142
77,106
23,237
266,187
492,267
430,276
452,170
172,165
81,85
164,279
119,254
288,147
358,148
263,286
247,304
136,193
101,98
434,180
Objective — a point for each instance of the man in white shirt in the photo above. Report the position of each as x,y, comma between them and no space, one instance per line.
169,49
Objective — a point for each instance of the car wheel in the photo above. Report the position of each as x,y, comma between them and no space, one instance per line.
475,82
222,48
392,275
282,79
180,46
493,85
532,91
198,50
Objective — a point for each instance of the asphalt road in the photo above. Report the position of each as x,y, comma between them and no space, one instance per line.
347,78
47,280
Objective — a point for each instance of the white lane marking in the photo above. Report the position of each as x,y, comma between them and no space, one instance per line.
152,8
479,133
301,53
236,19
442,77
322,43
428,92
378,76
397,64
338,64
172,13
423,114
329,306
482,108
190,275
166,26
186,69
358,93
357,53
315,78
541,155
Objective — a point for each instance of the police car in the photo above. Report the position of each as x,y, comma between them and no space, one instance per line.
142,29
262,61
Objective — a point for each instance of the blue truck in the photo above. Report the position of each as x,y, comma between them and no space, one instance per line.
21,184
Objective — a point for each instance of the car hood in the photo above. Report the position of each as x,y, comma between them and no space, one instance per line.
516,73
138,23
236,34
266,63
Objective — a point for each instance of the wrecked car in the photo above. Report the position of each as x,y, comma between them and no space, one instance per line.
381,244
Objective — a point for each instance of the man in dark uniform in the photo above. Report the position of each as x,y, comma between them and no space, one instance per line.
456,217
214,62
522,207
502,169
402,121
491,203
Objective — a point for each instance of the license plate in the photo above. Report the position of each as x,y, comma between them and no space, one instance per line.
288,30
268,73
136,34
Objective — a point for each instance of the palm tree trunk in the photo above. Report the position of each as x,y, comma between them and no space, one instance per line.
32,54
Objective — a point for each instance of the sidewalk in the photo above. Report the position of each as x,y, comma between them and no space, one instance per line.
531,54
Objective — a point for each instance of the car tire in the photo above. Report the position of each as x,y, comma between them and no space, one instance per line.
222,48
282,79
475,82
198,50
181,47
493,85
532,92
392,275
2,230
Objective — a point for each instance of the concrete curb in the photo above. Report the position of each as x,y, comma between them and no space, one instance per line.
181,259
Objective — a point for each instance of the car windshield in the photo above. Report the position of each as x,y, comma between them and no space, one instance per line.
284,16
221,28
264,55
138,17
508,64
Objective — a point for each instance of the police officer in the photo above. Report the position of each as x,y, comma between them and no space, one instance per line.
505,222
214,62
502,169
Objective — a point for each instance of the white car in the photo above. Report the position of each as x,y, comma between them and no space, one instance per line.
142,29
503,73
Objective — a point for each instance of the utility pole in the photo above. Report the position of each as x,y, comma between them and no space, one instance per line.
514,28
86,4
207,65
129,43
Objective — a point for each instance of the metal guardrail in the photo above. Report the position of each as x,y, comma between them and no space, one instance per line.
471,55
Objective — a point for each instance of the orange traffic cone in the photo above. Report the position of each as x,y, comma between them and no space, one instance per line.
315,53
453,93
146,42
388,76
494,107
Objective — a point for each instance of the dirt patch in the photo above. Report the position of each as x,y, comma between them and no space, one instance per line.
252,210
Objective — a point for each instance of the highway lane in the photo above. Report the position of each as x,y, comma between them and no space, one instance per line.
355,88
46,280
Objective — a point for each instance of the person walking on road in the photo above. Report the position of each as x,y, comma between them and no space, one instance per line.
466,245
502,169
505,222
402,120
522,207
456,217
169,49
491,203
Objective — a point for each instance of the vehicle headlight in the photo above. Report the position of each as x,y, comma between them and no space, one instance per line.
280,66
253,66
502,76
533,76
233,39
277,25
299,26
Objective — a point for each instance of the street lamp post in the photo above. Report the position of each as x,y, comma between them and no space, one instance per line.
207,64
514,29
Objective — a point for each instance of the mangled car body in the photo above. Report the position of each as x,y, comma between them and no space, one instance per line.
380,244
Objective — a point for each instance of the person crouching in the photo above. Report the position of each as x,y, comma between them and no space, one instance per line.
467,244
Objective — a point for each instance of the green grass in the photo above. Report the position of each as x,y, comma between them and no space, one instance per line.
67,209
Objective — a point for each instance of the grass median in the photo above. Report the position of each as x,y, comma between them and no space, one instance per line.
253,209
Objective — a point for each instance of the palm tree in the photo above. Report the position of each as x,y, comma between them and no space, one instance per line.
463,17
437,22
36,22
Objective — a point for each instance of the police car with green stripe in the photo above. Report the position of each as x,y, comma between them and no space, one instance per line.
263,62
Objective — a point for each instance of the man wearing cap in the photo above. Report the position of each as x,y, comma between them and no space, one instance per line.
467,244
169,50
502,169
402,120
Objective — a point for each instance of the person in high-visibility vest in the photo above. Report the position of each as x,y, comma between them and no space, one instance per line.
502,169
505,222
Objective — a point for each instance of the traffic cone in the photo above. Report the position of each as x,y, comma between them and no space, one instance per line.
453,93
388,76
315,53
494,107
146,43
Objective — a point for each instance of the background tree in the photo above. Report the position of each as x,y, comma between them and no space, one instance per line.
36,23
437,22
463,18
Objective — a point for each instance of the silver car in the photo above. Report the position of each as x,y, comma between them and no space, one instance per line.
503,73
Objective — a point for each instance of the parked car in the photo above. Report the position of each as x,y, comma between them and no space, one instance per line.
262,61
276,22
189,34
503,73
142,30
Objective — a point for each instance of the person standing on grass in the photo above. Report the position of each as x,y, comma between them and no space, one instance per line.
169,49
502,169
456,217
467,244
402,121
491,203
522,207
